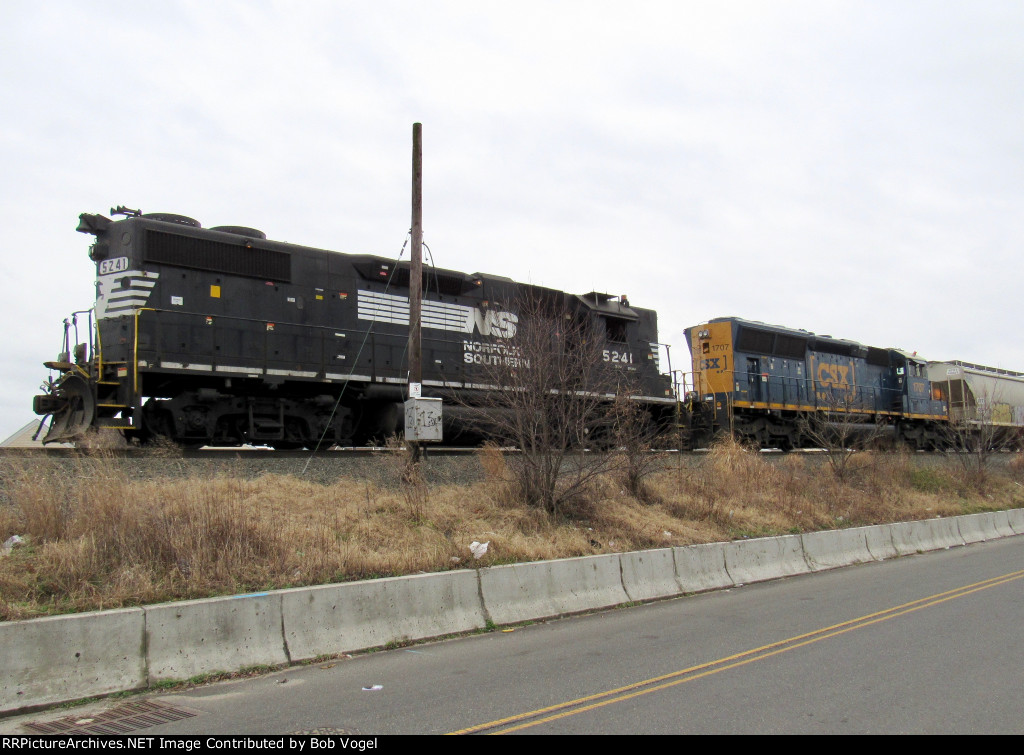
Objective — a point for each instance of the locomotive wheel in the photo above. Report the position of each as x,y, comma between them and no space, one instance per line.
77,413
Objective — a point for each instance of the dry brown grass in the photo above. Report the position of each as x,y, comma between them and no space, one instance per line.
99,539
1016,466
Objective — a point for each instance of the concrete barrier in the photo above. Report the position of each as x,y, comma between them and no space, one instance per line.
946,532
217,634
929,535
831,549
879,541
61,658
1016,519
522,592
1002,523
976,528
649,575
765,558
909,539
358,615
702,567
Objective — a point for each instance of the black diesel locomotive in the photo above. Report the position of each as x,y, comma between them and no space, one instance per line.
221,336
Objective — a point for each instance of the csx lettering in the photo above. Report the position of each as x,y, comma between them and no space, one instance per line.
711,364
834,375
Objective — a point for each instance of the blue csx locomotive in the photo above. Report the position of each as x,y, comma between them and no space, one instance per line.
221,336
764,383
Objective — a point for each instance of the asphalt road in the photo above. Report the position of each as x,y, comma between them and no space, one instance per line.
927,644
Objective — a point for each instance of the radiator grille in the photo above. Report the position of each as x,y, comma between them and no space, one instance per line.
217,256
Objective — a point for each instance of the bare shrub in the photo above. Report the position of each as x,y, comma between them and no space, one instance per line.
496,473
10,522
842,426
978,430
635,436
406,469
1016,466
51,495
737,468
730,483
692,505
492,461
548,399
794,474
44,504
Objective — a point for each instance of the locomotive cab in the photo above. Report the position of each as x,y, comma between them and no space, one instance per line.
94,390
918,408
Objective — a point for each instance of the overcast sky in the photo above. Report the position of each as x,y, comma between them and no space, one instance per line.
850,168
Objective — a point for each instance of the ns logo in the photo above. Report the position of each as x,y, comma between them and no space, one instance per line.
494,323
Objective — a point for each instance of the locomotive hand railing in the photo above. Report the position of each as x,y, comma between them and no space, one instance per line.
803,393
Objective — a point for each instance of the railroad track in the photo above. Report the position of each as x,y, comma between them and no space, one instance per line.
348,452
373,465
213,453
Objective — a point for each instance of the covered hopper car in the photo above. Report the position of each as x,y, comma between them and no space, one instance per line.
989,400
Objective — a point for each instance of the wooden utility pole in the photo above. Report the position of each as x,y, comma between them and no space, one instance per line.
416,273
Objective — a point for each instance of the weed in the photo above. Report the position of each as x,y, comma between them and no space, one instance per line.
166,684
98,538
407,472
931,480
1016,466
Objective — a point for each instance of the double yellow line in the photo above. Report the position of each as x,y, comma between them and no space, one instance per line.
654,684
